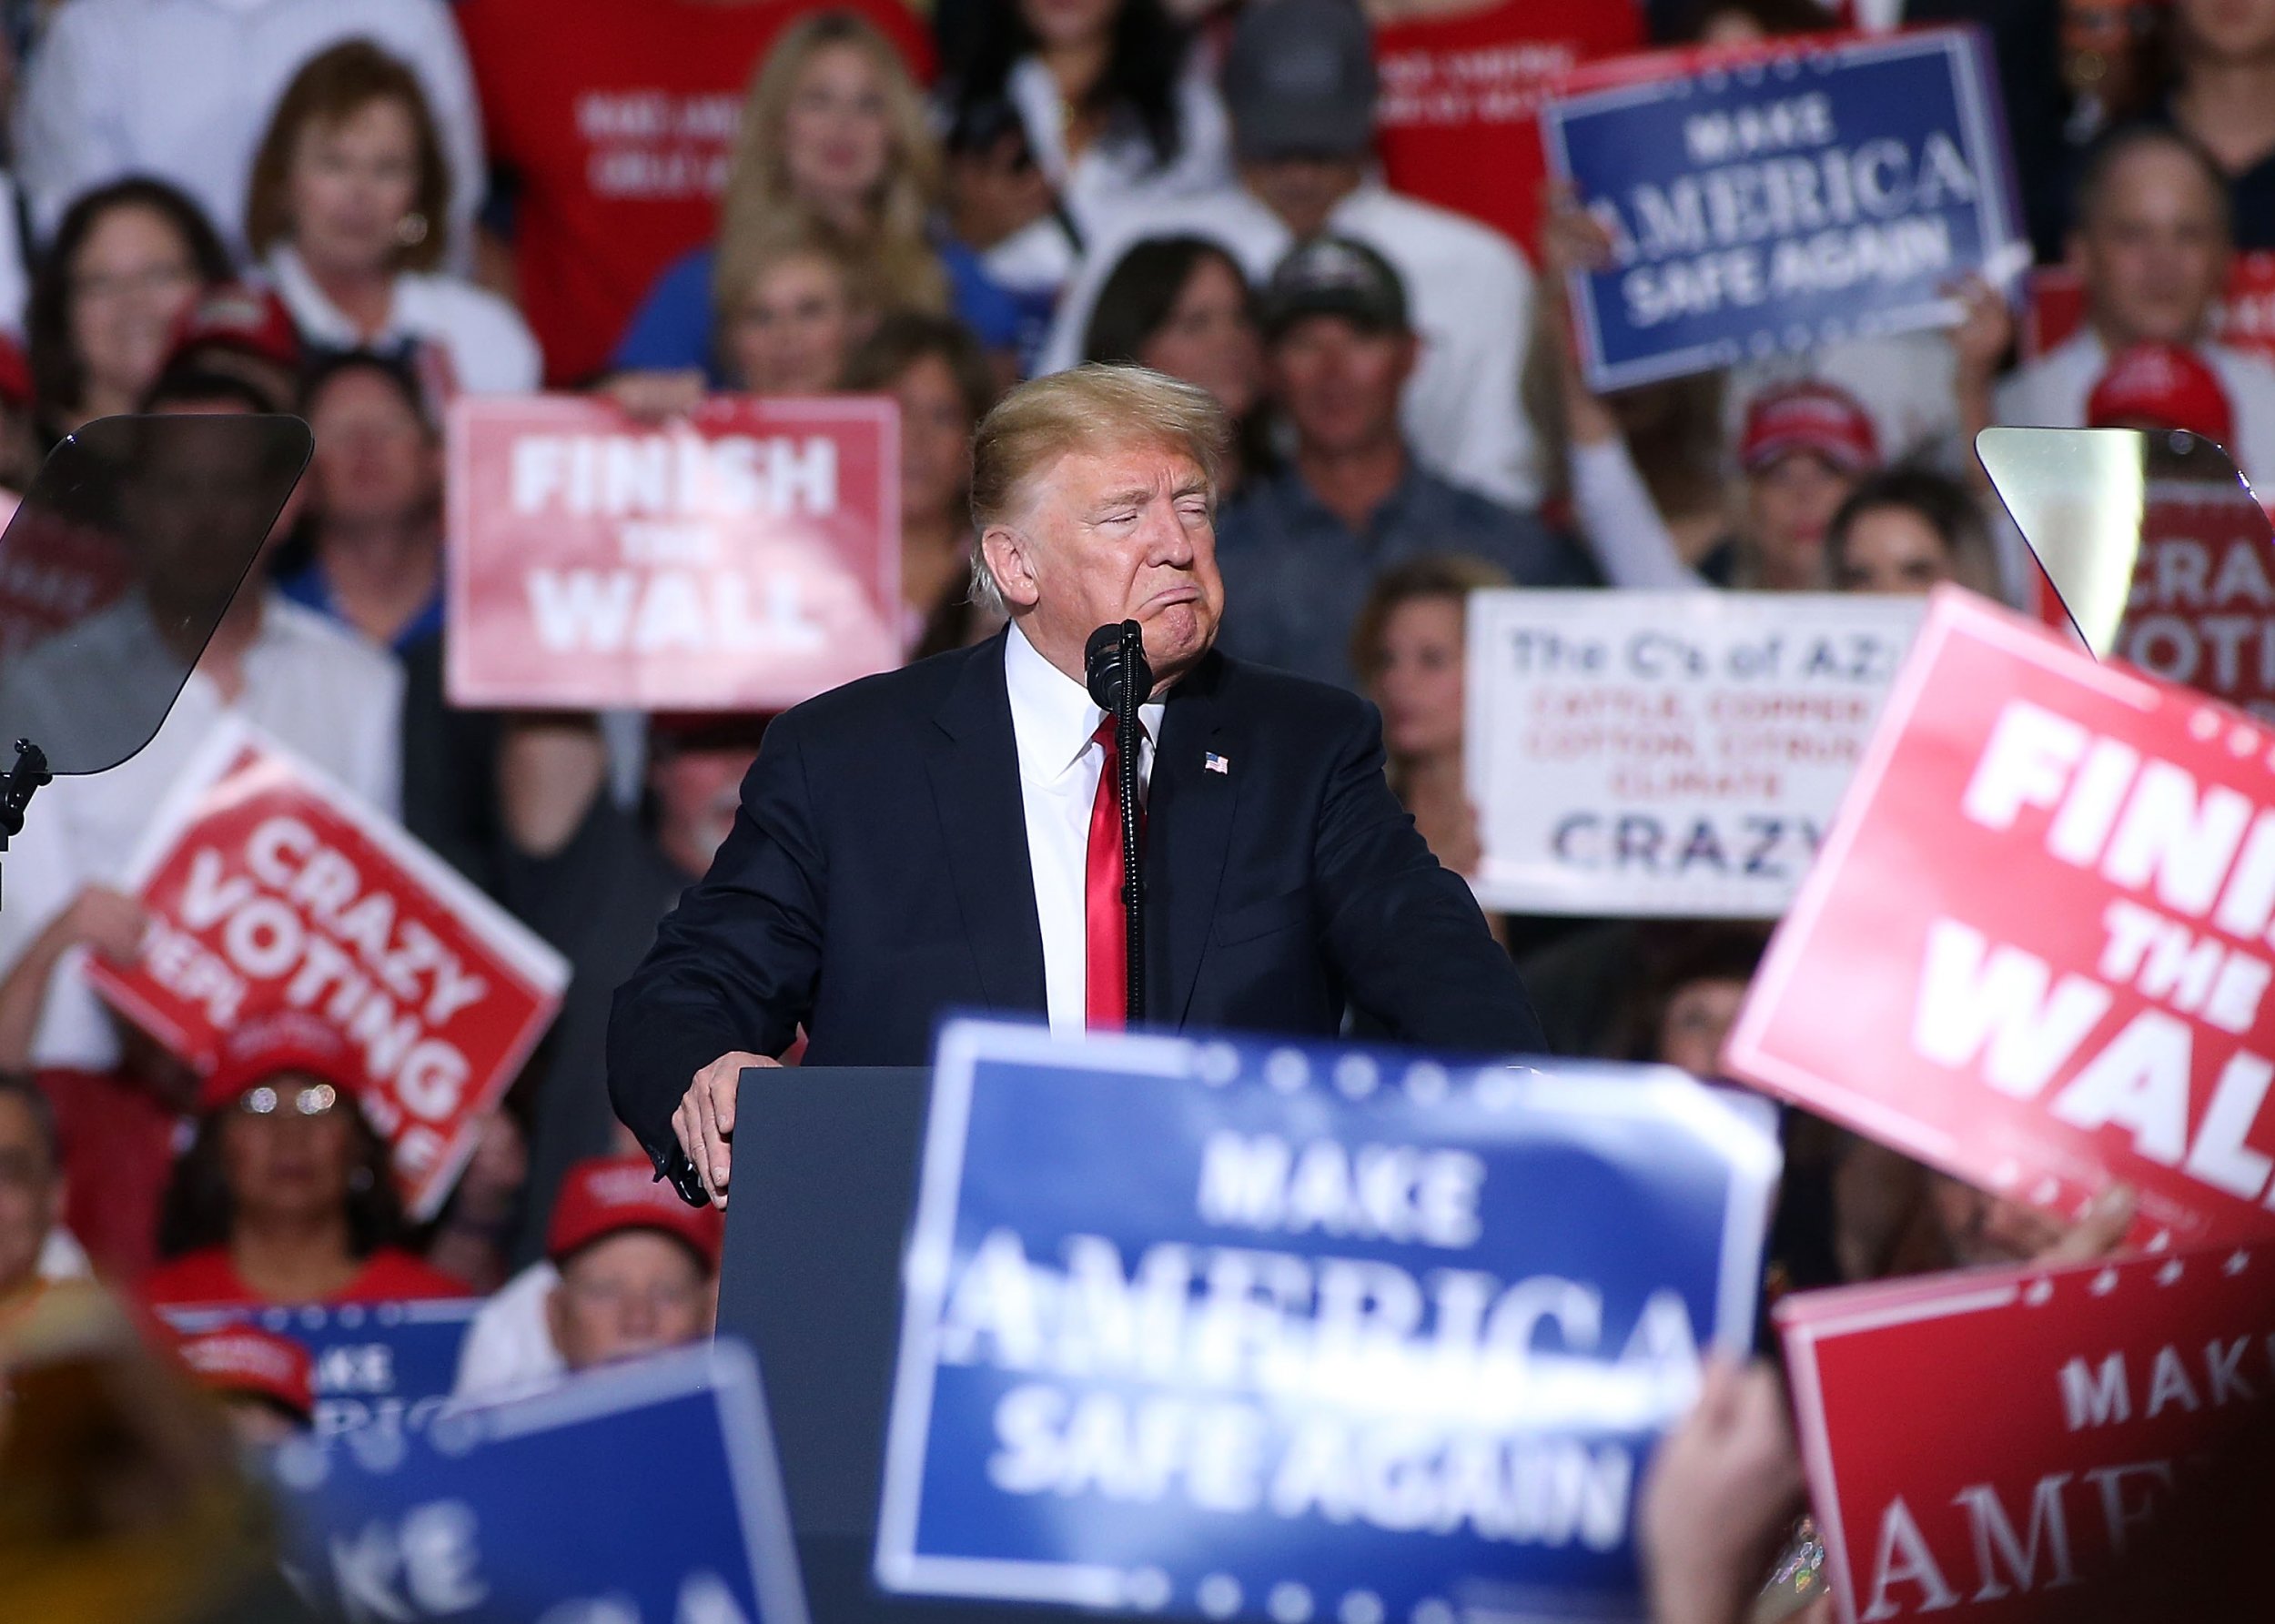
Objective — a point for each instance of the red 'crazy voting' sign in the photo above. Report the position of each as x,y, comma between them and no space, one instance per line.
2068,1405
267,887
744,558
2202,588
2036,950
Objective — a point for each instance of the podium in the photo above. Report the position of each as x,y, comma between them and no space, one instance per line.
825,1163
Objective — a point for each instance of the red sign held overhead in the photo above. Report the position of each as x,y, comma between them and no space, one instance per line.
2036,950
2066,1406
270,887
741,559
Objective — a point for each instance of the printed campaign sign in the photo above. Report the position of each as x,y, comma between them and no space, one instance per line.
1667,754
2203,585
1457,123
268,886
388,1364
1783,199
2063,1404
53,573
743,558
1359,1335
2036,950
645,1493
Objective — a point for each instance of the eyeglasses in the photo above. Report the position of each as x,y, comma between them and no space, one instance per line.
153,279
315,1099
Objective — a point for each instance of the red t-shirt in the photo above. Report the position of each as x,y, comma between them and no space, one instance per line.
1459,93
207,1279
617,118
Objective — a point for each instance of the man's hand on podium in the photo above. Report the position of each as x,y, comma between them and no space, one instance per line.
705,1120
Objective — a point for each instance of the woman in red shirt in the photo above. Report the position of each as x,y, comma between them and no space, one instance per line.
285,1196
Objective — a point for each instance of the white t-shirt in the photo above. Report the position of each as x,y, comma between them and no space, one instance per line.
182,89
2051,393
1468,290
489,347
320,690
1053,717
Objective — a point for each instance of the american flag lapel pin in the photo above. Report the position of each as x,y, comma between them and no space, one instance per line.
1213,762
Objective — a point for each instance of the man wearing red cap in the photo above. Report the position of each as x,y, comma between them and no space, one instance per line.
639,1267
2152,246
266,1383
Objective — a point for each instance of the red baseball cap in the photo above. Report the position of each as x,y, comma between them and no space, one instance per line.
2164,386
247,1359
1808,416
605,1195
283,1040
238,316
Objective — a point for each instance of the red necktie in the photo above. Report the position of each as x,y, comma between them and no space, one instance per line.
1104,919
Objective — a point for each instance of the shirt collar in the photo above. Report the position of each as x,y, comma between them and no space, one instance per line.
1052,715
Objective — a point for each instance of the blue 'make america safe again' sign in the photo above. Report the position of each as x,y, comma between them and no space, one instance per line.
1305,1332
1781,202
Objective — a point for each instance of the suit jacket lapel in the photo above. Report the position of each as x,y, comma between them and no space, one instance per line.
1188,827
975,773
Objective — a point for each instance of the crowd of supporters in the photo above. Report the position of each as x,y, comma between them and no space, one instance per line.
357,210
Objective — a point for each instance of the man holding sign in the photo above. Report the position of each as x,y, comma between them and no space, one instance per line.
945,835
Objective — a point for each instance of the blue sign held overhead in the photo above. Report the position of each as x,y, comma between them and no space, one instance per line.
376,1363
645,1493
1812,196
1305,1332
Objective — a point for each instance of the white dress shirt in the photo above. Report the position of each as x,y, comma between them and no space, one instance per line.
318,688
182,89
1469,293
1052,719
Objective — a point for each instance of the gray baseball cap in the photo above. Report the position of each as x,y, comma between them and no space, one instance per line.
1299,80
1335,276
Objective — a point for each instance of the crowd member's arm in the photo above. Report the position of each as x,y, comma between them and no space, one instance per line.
110,921
1979,344
1492,447
1614,507
1722,1491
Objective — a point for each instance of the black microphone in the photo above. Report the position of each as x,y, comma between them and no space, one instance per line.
1112,650
1119,680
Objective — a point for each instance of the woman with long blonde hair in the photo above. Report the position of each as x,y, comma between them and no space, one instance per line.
835,145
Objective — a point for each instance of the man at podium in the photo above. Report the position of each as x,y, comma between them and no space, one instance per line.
947,836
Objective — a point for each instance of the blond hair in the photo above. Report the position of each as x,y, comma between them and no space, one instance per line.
758,204
1089,408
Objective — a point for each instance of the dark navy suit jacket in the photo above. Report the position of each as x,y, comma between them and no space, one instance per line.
876,878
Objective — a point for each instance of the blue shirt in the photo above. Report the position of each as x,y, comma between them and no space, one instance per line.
673,328
312,588
1295,575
